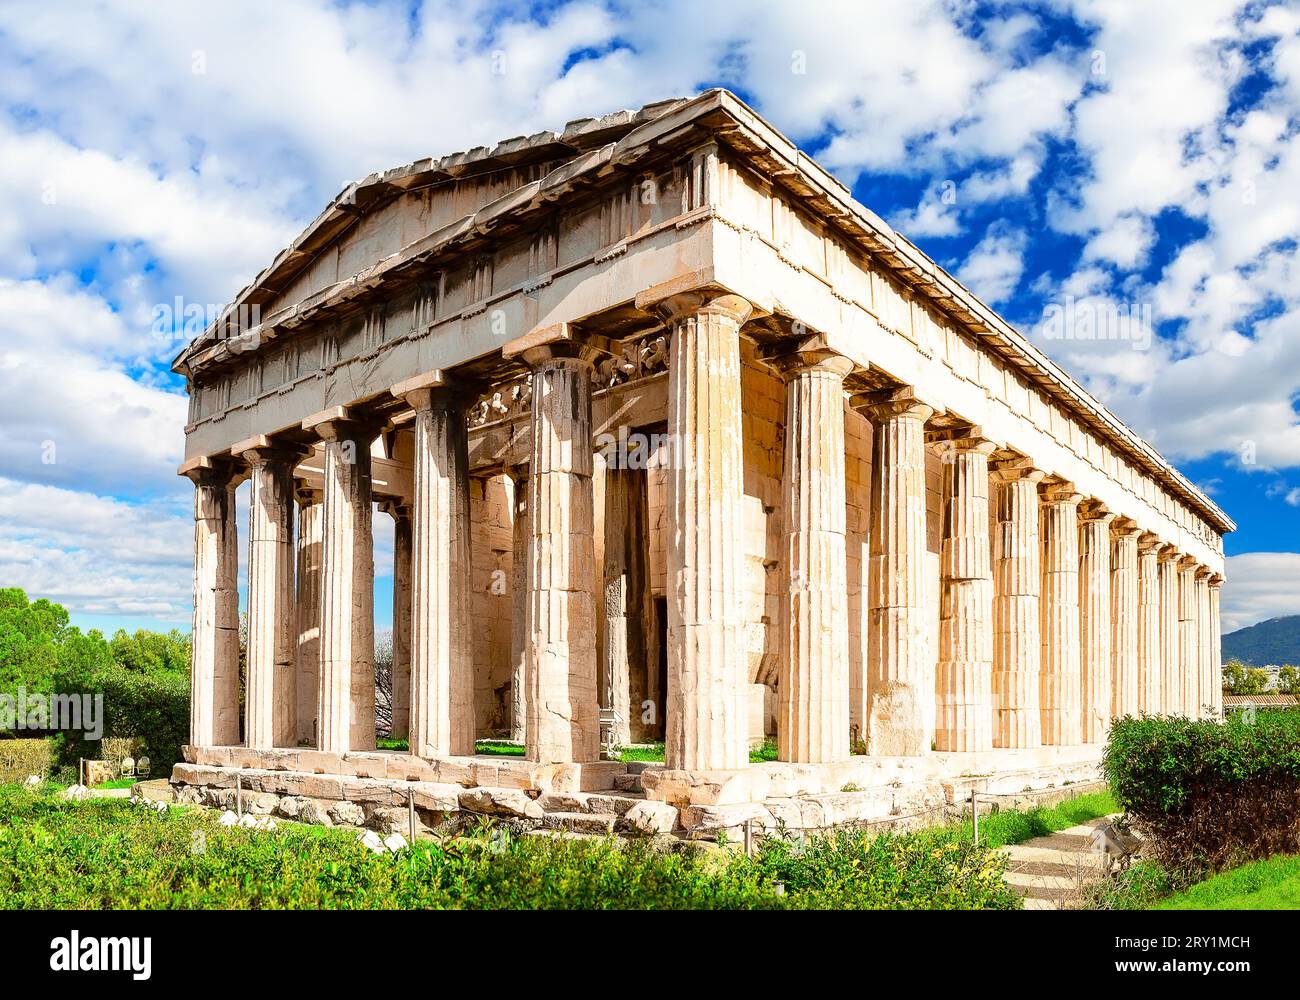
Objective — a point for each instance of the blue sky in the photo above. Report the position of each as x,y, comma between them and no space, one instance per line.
1103,157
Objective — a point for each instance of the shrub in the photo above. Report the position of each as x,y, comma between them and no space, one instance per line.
1209,795
20,758
153,710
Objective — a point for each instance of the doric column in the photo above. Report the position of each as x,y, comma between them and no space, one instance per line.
519,605
441,699
964,677
563,714
897,648
1188,650
813,692
626,582
1215,668
400,678
1094,622
346,713
1169,690
707,718
1124,619
270,687
1150,626
1017,585
1203,707
214,667
1059,690
310,540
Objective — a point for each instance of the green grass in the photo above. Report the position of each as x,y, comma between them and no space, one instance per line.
388,743
1012,826
110,854
499,748
654,753
1272,884
117,783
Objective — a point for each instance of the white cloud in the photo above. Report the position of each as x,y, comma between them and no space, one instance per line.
1260,585
993,268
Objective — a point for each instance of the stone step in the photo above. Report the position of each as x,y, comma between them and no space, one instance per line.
1046,854
1042,886
580,822
628,782
1034,903
590,802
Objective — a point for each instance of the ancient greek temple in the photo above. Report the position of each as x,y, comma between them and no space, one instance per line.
679,443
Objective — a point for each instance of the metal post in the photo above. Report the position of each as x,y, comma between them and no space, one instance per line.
974,818
81,771
239,795
749,838
410,813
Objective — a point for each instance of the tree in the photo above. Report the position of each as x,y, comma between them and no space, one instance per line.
1234,676
1288,680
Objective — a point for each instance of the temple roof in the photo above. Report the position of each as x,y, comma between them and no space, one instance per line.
589,148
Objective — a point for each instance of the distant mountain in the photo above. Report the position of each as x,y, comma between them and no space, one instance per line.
1274,641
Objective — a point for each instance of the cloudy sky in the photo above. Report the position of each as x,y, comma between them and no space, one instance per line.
1105,156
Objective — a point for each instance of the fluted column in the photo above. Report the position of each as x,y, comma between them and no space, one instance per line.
1203,707
400,678
1124,619
1017,654
441,699
1094,622
1188,651
308,582
897,647
519,607
1150,626
707,723
1169,686
561,668
1215,668
626,581
270,687
346,713
964,676
214,665
1059,689
813,691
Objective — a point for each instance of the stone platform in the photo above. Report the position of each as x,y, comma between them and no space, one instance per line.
379,788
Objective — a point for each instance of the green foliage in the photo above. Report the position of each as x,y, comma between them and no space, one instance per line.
1209,795
763,752
39,651
1288,680
1013,826
1238,678
499,748
1139,887
21,758
100,854
151,652
154,709
854,869
1272,884
647,752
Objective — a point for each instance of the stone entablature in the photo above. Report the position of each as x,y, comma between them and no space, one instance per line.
867,516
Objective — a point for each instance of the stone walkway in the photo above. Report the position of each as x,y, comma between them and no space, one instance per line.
1050,872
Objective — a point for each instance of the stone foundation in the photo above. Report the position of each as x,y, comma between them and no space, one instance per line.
378,789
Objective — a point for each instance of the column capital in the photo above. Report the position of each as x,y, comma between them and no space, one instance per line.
1167,552
434,388
341,421
796,355
1093,510
1187,564
1056,491
697,292
965,443
210,470
1216,581
1125,527
396,509
308,496
1014,469
892,403
1203,573
262,449
559,341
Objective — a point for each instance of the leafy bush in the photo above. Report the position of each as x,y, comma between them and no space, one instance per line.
108,854
1209,795
151,709
854,869
20,758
